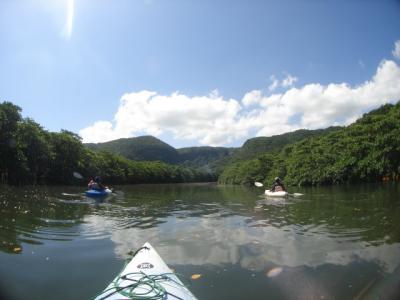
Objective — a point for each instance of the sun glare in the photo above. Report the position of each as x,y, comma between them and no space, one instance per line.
70,18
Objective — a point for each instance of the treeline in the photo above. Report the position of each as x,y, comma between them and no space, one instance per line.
30,154
366,151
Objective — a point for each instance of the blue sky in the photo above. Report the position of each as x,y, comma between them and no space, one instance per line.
197,72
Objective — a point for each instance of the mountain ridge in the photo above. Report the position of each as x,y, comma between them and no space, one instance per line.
150,148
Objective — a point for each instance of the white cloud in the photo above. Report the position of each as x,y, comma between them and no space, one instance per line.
210,119
285,83
288,81
396,51
213,120
252,97
99,131
318,106
274,84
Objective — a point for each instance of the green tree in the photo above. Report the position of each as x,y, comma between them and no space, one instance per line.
33,141
67,157
11,158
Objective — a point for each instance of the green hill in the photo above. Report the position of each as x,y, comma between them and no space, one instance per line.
205,157
149,148
259,145
212,159
146,148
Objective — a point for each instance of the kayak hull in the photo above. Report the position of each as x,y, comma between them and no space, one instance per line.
146,263
276,194
97,193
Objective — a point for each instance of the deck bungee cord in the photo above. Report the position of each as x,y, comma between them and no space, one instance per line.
149,284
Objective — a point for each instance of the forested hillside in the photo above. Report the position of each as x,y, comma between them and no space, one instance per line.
30,154
208,158
205,157
368,150
152,149
259,145
140,148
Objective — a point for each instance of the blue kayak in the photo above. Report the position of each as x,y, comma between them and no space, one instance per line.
98,193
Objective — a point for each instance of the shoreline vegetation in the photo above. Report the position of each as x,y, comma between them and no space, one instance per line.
366,151
30,154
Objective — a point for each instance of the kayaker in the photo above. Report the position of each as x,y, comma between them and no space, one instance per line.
90,184
277,186
96,184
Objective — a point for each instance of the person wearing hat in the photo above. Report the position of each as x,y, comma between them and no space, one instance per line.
277,186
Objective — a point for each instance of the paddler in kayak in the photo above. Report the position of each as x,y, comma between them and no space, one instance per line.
277,186
96,184
91,183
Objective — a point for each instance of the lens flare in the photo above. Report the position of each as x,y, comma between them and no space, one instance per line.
70,18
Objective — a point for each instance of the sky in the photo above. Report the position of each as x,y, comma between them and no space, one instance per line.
198,73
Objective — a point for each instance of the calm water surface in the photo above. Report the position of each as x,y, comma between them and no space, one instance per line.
331,243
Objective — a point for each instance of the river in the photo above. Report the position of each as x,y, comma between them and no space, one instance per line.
331,243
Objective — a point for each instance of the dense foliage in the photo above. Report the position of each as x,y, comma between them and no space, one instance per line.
368,150
31,155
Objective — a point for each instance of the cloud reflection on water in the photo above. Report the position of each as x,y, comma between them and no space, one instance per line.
230,240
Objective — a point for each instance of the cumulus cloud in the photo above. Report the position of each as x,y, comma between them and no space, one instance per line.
396,51
209,119
318,106
252,97
214,120
101,130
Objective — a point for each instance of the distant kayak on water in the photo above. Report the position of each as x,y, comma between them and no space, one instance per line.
281,194
269,193
98,193
146,276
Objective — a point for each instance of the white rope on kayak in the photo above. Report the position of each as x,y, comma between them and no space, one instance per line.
145,287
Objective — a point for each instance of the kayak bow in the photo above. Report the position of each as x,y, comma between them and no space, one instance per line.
146,276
